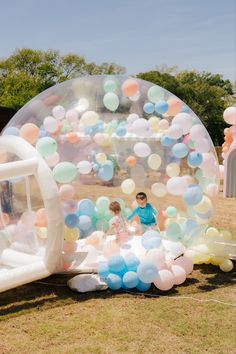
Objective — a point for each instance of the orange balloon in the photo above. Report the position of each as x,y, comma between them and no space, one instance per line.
228,139
72,138
29,132
174,106
41,218
131,161
69,247
130,87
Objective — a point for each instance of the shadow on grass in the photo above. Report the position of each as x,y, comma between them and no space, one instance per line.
53,291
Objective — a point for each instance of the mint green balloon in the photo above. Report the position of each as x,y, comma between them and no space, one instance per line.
46,146
110,86
64,172
199,174
171,211
155,93
111,101
102,204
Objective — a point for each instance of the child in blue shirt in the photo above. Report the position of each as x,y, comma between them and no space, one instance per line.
146,213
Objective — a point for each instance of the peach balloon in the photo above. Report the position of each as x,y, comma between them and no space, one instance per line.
179,274
66,192
175,106
131,161
130,87
41,218
72,138
69,247
51,100
29,132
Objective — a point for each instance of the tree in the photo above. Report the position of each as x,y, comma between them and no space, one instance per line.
28,72
206,94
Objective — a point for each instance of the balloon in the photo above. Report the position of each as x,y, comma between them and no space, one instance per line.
66,192
106,172
171,212
58,112
202,145
174,106
226,266
132,117
166,141
103,270
131,161
204,205
130,279
116,264
193,194
174,231
179,274
46,146
72,116
155,93
86,207
142,149
163,124
110,86
101,158
165,280
141,127
180,150
175,131
64,172
212,232
111,101
141,286
185,263
71,220
84,222
52,160
69,206
113,281
130,87
184,120
29,132
84,167
172,170
102,225
157,257
41,218
161,107
147,272
194,159
151,239
128,186
121,131
159,190
229,115
71,234
154,161
50,124
197,132
176,185
69,247
154,123
132,262
89,118
149,108
11,131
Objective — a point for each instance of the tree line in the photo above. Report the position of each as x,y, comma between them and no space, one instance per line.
28,72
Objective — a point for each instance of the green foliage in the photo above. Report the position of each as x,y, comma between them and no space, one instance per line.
206,94
28,72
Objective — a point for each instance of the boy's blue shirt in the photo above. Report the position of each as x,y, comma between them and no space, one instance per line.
146,214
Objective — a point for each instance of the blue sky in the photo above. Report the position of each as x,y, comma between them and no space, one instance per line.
138,34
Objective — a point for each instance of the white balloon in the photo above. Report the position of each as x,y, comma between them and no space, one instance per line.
141,127
202,145
84,167
175,131
58,112
184,120
177,185
142,149
197,132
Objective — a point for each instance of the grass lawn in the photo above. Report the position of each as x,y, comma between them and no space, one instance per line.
50,318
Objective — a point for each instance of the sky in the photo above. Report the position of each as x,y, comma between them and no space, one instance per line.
138,34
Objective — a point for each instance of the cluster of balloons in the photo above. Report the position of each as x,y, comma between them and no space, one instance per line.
229,133
132,272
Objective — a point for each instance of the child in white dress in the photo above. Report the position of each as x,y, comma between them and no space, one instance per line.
118,223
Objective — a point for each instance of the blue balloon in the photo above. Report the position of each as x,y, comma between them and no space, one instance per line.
95,167
147,272
185,109
141,286
42,133
11,131
121,131
193,194
106,172
116,264
86,207
161,107
166,141
180,150
103,270
130,279
149,108
151,239
71,220
194,159
174,231
84,223
132,262
192,228
114,281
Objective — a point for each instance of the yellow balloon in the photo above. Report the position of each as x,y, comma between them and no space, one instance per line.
42,232
227,265
153,122
128,186
172,170
101,158
159,189
154,161
226,235
106,141
212,232
71,235
204,206
89,118
217,260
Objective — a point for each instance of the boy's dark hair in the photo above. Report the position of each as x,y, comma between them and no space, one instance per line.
141,195
115,207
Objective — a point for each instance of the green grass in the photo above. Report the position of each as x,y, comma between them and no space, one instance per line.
41,318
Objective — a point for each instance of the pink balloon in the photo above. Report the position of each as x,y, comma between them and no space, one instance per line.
69,206
165,280
157,257
185,263
179,274
66,192
230,115
53,160
98,138
72,116
163,124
